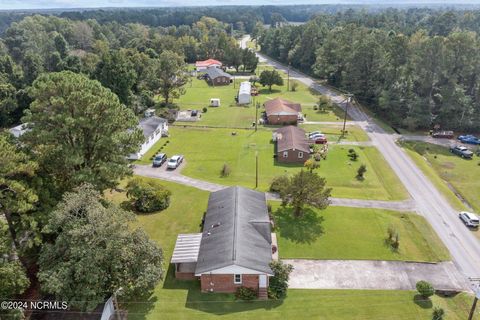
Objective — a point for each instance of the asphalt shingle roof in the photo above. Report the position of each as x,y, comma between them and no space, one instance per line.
216,72
236,232
280,106
150,124
291,138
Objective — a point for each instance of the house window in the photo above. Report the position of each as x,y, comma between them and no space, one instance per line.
285,154
300,154
237,278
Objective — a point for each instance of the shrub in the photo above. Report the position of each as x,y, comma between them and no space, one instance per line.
393,238
279,282
278,183
205,109
425,289
225,172
148,195
246,293
353,155
438,313
361,172
294,86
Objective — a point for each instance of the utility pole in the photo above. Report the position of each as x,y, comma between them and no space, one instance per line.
257,105
349,99
256,169
288,77
476,289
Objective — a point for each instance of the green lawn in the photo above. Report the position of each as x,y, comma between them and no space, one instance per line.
442,167
207,150
182,300
462,174
173,299
355,233
199,93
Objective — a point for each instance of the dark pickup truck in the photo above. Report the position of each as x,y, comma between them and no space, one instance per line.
461,151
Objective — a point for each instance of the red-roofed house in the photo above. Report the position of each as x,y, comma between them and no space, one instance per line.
204,65
282,112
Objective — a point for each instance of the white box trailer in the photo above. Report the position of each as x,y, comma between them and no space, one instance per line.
244,93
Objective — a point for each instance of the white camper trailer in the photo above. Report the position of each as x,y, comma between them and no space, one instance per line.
244,93
214,102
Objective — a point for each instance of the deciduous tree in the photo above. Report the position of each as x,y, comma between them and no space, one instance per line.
269,78
171,74
96,252
305,188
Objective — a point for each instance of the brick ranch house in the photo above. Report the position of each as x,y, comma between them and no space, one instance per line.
235,248
218,77
281,112
291,145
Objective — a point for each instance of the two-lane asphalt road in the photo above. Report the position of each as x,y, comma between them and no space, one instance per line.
462,244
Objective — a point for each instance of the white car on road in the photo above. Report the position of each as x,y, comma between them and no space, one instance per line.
174,162
470,219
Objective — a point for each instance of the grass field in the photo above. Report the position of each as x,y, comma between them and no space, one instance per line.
173,299
442,167
355,233
182,300
207,150
463,175
199,93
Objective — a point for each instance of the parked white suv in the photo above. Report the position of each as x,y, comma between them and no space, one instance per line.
471,220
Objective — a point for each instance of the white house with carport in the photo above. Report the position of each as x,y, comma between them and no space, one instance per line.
153,129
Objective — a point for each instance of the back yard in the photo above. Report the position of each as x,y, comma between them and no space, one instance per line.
174,299
207,150
199,93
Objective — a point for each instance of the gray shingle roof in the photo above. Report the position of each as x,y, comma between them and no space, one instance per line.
236,232
217,72
150,124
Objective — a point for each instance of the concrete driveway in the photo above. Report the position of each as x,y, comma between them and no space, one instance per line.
176,176
370,274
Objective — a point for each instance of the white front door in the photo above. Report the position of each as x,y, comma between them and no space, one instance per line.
262,281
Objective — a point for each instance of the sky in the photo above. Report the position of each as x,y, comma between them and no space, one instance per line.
51,4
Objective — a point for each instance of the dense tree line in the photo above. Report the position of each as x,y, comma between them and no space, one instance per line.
127,59
414,74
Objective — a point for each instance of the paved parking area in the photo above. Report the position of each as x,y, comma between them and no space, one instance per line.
370,274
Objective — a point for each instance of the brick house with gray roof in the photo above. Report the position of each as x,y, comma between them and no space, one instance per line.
236,245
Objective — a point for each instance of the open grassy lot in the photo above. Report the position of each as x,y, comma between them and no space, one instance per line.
462,174
174,299
355,233
199,93
443,168
207,150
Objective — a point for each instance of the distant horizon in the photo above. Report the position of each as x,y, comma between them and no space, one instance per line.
146,4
